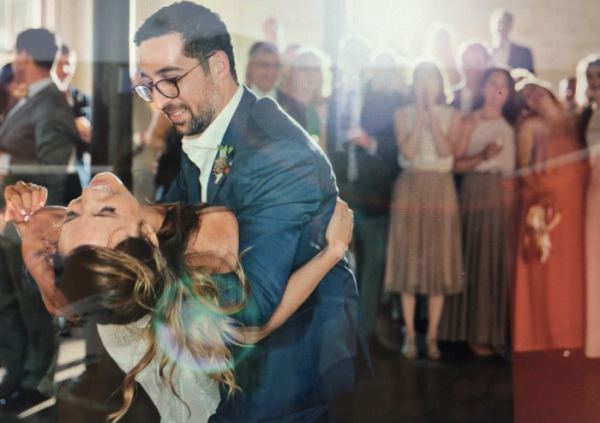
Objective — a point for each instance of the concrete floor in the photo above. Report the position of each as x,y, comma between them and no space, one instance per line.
461,390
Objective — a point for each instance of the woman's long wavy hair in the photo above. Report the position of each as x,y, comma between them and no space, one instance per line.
137,279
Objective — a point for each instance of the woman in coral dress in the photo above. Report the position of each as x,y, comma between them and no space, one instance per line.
549,291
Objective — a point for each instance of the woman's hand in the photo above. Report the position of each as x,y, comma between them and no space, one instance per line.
492,150
339,231
23,200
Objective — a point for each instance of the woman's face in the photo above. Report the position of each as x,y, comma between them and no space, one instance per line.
592,74
427,85
308,75
536,98
496,89
104,215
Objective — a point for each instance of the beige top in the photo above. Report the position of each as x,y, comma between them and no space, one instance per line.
593,135
427,157
489,131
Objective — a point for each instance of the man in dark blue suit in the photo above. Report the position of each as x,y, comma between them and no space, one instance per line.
505,53
249,155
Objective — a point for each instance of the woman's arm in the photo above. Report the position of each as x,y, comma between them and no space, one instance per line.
464,164
408,142
304,280
40,235
525,145
445,144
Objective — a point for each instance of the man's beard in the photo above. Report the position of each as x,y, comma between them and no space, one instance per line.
198,123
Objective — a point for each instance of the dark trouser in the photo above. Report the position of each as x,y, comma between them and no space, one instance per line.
370,234
28,342
13,339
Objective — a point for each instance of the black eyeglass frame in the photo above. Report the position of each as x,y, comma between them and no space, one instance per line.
174,81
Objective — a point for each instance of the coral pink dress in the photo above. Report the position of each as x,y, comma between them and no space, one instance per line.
549,298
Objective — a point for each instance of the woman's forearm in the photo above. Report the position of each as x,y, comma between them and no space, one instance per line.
443,145
466,164
300,285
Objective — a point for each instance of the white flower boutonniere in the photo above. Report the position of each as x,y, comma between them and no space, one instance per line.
223,162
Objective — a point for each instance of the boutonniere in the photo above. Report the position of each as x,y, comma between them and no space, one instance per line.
223,162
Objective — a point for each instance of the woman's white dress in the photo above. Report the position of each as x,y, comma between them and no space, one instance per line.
127,345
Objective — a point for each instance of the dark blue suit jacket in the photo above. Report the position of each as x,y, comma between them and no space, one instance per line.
283,192
520,57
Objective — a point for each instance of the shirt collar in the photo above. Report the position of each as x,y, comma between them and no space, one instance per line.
35,88
260,94
213,135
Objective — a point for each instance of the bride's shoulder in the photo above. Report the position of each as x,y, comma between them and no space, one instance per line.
218,232
218,216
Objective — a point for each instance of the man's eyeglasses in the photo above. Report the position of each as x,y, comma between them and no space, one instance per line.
167,87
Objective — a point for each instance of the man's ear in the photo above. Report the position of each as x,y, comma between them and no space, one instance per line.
149,234
220,65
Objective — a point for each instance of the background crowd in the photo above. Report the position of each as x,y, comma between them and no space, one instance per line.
473,184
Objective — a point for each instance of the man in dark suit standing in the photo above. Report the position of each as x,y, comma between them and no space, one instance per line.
262,75
504,52
364,154
36,140
281,188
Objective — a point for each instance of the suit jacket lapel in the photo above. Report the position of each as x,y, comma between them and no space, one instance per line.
23,111
234,137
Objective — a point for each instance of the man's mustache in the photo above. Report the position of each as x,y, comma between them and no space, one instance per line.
170,108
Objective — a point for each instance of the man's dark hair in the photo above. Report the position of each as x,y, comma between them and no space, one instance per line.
65,50
41,44
262,47
202,31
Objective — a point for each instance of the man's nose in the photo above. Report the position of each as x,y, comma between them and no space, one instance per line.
159,100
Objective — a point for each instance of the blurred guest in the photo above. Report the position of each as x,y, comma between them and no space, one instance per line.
274,33
567,94
8,89
486,154
473,59
162,136
548,313
588,82
36,140
287,64
79,172
262,75
368,190
504,52
439,44
310,86
424,249
345,108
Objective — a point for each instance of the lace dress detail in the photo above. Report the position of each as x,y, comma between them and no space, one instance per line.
127,344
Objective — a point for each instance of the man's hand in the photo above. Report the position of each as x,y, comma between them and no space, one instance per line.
23,200
84,128
362,139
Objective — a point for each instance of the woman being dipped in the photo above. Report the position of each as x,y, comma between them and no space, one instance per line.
424,254
486,153
156,278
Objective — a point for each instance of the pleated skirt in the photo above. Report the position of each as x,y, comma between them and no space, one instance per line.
480,314
424,246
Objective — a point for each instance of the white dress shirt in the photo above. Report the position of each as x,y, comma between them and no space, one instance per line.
260,94
501,54
202,149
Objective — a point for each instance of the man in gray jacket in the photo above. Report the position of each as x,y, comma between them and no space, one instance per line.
37,137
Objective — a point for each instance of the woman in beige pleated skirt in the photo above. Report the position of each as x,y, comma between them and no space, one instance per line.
424,252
